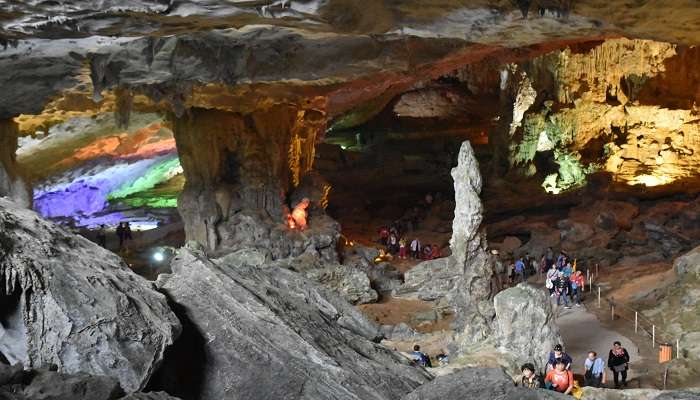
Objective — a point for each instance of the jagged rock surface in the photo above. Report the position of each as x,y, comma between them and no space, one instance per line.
77,305
639,394
351,283
524,327
270,333
478,384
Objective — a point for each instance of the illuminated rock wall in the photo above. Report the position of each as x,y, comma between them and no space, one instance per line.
626,107
89,171
239,169
12,183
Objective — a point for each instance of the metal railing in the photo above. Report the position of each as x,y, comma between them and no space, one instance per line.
642,325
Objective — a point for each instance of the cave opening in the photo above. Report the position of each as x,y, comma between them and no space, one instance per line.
90,174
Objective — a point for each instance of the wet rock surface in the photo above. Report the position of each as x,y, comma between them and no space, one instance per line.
71,303
270,333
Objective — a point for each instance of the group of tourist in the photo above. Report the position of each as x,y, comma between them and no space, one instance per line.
559,376
123,232
398,246
563,281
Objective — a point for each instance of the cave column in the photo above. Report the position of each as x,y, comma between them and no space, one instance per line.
13,184
239,169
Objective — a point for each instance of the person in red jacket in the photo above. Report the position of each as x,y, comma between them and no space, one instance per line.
577,282
560,379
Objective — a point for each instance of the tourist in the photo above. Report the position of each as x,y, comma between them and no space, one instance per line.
427,252
415,248
121,234
511,271
543,265
403,251
420,358
102,236
520,270
560,378
499,272
435,254
559,354
383,235
549,255
568,270
443,358
594,368
530,379
552,275
393,244
561,290
127,231
577,282
618,362
561,260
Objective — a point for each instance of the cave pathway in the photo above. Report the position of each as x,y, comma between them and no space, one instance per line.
582,332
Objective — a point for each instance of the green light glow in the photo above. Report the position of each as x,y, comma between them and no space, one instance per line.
159,173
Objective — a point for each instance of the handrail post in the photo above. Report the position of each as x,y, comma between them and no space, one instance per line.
636,324
612,312
598,296
596,270
653,336
678,348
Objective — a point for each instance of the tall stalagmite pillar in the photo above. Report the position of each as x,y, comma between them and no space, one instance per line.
12,182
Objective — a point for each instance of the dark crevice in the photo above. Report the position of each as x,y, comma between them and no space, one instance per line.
13,333
182,372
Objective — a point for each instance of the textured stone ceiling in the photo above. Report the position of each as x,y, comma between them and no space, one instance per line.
485,21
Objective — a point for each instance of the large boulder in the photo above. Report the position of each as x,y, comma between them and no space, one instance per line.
351,283
478,384
69,302
525,328
268,333
639,394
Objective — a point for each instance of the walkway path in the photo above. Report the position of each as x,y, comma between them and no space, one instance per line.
582,332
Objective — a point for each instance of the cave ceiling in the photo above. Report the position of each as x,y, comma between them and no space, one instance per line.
580,73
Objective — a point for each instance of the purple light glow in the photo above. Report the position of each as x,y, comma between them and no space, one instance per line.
82,193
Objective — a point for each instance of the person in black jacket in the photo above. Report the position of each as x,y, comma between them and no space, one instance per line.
530,378
618,362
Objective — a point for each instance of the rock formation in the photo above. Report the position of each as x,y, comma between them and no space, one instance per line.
478,384
267,332
525,329
464,277
19,384
12,183
74,304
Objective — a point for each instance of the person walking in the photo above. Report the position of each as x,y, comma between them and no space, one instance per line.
594,370
403,251
559,354
561,290
552,275
577,282
530,378
121,234
618,362
415,248
520,270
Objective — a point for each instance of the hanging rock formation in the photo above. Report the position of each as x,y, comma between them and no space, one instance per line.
464,277
12,183
524,327
74,304
269,333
